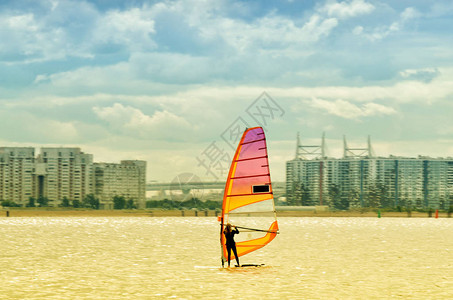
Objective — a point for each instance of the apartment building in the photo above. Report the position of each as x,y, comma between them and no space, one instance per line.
363,180
127,179
60,172
16,174
63,173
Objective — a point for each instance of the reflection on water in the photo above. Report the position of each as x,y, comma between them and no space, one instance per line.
176,257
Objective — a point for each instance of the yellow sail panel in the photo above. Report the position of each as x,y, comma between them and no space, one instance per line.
240,201
246,247
248,192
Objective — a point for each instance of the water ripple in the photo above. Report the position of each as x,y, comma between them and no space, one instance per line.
176,257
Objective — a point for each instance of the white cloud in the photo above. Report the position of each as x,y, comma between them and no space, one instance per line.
406,91
409,13
347,9
317,27
22,126
131,28
41,78
382,32
357,30
21,22
132,121
424,74
97,78
441,9
56,130
269,32
52,33
373,109
347,110
216,25
23,35
73,28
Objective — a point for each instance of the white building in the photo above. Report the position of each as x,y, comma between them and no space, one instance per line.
59,173
16,174
64,173
364,180
127,179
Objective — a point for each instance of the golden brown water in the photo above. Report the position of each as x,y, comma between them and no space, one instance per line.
178,258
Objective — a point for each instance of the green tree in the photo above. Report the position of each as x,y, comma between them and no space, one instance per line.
301,194
75,203
130,204
306,197
374,196
338,201
43,201
193,203
8,203
353,198
209,204
31,202
119,202
188,204
91,201
296,193
386,199
65,202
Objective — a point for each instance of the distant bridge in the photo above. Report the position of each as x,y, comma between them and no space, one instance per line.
207,185
202,185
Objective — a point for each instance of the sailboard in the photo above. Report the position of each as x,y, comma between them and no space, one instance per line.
248,201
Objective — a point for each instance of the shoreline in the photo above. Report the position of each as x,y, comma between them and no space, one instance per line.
58,212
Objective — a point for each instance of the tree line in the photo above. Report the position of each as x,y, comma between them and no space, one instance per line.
376,196
89,201
188,204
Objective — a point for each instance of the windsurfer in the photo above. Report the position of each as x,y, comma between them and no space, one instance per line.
230,243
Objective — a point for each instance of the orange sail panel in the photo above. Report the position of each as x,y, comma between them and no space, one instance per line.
248,201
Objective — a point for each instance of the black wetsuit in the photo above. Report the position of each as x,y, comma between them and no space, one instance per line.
231,244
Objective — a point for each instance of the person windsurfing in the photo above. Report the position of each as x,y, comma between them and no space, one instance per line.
230,243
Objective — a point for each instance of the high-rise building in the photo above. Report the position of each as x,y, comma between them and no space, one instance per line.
126,179
67,173
16,174
360,179
64,173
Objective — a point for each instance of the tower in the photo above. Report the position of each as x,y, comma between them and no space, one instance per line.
307,152
357,152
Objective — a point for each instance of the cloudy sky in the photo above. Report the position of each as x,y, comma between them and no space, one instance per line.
171,82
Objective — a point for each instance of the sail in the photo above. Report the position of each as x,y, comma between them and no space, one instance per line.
248,201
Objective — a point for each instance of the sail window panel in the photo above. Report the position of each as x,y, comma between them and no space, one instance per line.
252,150
253,167
261,188
242,186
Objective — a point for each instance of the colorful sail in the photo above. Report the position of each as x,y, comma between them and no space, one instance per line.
248,201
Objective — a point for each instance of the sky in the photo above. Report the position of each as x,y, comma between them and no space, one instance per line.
176,82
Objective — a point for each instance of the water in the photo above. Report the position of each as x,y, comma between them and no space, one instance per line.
178,258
